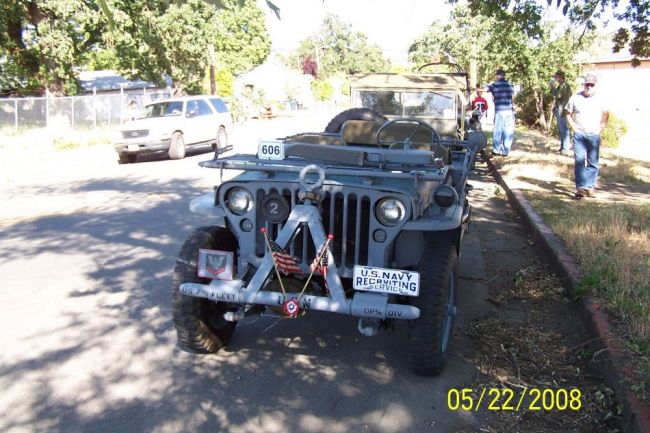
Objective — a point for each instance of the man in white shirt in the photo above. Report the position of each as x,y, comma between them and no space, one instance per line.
587,116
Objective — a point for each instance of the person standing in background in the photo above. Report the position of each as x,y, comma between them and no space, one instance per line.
587,116
504,115
131,112
562,92
479,103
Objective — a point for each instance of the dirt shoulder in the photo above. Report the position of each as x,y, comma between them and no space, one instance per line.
530,339
609,237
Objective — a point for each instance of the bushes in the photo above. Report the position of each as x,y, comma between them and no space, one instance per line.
322,90
611,135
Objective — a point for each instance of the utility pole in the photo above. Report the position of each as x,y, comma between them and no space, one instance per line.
213,61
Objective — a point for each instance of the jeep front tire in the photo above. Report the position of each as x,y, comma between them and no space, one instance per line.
199,322
429,336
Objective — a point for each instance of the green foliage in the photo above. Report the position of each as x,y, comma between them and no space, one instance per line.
322,90
482,43
611,135
463,39
525,15
185,31
224,80
153,38
241,38
43,40
336,47
247,104
97,60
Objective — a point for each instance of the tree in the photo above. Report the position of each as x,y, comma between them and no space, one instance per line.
526,14
530,61
152,38
241,38
42,41
337,48
464,40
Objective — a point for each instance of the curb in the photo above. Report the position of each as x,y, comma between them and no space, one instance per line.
609,359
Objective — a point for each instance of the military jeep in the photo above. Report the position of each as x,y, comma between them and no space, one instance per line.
364,219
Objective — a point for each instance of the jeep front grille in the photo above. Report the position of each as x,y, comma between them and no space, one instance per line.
345,215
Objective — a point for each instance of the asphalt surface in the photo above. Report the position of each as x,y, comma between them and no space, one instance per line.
87,247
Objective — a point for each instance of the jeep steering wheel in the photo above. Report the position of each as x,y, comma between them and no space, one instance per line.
408,140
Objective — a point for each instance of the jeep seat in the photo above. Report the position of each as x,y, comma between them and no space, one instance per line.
316,138
364,132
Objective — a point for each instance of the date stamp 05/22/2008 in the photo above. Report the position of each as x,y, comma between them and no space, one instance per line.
506,399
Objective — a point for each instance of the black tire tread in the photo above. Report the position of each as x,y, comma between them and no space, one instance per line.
425,333
190,313
337,121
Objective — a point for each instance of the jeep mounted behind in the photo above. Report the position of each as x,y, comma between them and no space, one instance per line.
365,219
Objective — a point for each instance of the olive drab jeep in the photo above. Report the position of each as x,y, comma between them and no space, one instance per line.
364,219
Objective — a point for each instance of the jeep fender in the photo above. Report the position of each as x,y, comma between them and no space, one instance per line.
205,205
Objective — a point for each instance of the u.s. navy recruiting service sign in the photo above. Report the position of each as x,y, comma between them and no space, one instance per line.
392,281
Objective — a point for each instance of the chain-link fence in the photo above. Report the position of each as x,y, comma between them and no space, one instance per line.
75,112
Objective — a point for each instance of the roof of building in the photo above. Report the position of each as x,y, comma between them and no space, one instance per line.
105,81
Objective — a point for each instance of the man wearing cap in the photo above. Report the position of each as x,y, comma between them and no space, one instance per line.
504,117
561,93
587,116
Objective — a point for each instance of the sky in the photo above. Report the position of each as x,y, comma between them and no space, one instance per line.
391,24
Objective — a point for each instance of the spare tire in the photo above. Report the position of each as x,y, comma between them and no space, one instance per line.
337,122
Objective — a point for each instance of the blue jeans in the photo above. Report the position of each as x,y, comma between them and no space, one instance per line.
504,130
586,149
563,126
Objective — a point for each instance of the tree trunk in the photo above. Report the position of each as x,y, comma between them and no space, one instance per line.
213,61
539,107
55,83
473,65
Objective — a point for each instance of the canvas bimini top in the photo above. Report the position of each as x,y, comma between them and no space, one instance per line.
439,81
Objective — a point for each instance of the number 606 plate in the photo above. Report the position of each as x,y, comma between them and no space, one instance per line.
270,149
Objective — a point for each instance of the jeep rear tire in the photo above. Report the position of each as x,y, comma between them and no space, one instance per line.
429,335
177,146
199,322
337,122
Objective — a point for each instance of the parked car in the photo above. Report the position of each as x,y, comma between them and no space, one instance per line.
173,125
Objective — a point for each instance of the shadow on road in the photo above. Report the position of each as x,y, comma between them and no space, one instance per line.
90,346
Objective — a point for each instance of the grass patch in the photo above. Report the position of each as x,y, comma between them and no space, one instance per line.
609,235
78,139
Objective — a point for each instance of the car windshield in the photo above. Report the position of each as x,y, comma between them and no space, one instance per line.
164,109
439,105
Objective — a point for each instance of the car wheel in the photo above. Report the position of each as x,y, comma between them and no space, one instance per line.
199,322
222,139
127,158
429,336
177,146
337,122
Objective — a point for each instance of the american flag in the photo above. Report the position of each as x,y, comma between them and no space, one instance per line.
321,265
285,263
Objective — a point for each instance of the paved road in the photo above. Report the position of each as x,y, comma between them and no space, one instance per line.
86,253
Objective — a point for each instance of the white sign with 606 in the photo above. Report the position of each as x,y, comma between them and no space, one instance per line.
270,149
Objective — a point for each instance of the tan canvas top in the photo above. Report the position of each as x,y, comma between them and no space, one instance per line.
409,81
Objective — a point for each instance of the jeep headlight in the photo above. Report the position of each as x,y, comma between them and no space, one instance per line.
390,211
445,196
239,200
